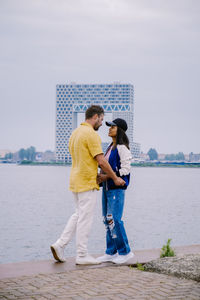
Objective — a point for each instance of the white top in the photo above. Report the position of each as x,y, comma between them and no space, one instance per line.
125,159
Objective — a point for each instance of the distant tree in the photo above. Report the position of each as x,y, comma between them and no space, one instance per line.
30,153
22,154
180,156
8,156
170,157
153,155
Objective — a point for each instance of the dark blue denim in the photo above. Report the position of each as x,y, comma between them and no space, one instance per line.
112,208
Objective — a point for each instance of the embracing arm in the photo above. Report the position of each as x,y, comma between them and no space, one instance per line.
104,165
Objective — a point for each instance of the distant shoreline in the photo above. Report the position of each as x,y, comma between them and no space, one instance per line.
167,165
144,164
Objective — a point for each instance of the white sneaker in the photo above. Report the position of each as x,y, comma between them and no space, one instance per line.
58,252
107,257
120,259
87,260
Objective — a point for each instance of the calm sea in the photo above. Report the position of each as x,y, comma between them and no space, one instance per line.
35,204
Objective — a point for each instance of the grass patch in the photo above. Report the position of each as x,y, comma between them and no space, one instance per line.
139,266
166,250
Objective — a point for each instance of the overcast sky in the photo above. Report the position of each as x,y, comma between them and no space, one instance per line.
153,44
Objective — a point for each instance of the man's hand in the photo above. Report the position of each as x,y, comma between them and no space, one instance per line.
103,177
104,165
119,181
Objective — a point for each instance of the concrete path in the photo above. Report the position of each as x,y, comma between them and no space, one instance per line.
49,280
51,266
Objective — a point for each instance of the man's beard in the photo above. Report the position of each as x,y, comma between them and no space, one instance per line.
96,127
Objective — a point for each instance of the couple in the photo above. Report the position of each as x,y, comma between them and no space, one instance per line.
87,155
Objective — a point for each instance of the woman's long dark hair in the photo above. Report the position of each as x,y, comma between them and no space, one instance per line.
121,138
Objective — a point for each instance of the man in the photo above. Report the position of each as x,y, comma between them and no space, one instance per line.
85,149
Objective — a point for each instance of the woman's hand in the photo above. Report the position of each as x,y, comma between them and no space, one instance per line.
101,178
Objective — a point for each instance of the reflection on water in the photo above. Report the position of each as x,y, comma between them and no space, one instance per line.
161,203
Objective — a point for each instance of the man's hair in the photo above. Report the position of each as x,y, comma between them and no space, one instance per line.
93,110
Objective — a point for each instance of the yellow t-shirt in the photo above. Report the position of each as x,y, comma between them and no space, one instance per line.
84,145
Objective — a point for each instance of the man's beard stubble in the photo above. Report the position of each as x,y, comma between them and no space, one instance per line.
96,127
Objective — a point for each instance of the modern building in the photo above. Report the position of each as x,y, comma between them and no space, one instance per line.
72,99
194,157
47,156
3,152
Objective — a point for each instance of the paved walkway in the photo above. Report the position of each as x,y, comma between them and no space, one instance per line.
101,283
50,266
105,282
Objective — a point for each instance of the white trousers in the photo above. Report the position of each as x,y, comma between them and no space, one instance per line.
80,222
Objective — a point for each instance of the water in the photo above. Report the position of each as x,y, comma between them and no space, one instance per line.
35,205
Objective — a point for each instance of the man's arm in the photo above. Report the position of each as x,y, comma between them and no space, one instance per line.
104,165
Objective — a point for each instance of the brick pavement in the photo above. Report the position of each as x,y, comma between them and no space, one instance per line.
104,283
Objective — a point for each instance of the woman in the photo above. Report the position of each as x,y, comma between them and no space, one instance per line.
119,157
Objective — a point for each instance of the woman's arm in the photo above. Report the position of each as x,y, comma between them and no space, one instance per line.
125,159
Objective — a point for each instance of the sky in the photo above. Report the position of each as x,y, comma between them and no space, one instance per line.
152,44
